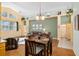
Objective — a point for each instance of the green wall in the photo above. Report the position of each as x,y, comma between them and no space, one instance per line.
49,24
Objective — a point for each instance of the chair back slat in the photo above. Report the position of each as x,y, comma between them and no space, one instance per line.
31,47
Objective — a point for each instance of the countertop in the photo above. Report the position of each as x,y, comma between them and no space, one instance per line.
2,41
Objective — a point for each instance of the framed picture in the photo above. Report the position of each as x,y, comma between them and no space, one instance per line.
76,22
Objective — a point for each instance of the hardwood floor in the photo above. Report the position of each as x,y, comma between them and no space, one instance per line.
61,51
56,51
17,52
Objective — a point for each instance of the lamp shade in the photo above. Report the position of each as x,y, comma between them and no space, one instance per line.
40,17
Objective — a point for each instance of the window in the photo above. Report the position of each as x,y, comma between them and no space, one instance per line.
65,19
12,16
4,14
7,25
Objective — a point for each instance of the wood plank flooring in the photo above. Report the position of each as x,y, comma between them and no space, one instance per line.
56,51
61,51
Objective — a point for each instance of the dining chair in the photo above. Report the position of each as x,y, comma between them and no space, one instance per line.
49,47
11,43
34,49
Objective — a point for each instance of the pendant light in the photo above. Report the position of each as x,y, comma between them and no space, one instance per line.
40,16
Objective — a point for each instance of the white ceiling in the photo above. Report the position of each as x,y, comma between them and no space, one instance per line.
32,8
29,9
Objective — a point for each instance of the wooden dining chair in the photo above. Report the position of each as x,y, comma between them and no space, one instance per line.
11,43
34,49
49,47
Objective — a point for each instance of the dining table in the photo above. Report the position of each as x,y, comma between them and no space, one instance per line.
42,41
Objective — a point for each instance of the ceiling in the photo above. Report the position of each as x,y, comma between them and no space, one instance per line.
29,9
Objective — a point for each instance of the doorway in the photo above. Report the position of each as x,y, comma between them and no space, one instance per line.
65,28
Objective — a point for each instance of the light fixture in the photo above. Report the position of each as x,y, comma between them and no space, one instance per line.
44,29
40,16
69,11
59,13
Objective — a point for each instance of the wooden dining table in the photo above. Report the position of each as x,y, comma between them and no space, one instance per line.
43,41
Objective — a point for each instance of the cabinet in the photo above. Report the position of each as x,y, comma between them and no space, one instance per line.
2,48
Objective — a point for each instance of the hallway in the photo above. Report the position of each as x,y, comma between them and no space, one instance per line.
64,43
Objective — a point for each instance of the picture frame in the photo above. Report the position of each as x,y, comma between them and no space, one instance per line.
76,23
